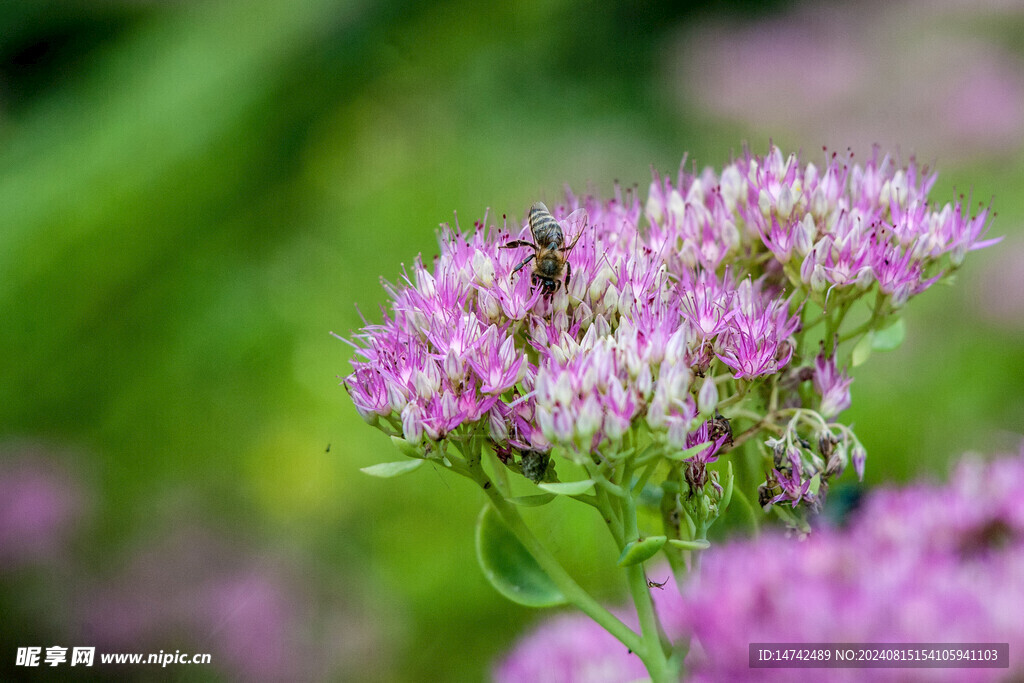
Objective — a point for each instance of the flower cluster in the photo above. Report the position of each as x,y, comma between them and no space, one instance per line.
690,302
926,563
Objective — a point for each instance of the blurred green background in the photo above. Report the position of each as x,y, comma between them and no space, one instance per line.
193,194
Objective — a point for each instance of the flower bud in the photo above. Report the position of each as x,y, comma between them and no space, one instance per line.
483,268
695,195
588,421
645,382
764,203
858,454
689,255
730,235
655,208
957,254
865,278
563,392
900,295
676,206
707,398
803,235
425,283
497,427
810,175
731,185
784,205
611,299
819,279
489,306
412,423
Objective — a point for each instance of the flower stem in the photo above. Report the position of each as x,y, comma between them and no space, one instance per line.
572,591
657,648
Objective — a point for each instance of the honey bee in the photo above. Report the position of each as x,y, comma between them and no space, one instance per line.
549,249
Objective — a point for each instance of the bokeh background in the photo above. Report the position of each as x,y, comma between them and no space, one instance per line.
193,194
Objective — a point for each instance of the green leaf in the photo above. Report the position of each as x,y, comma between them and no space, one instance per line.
891,337
407,448
392,469
510,567
532,501
689,545
727,494
689,452
641,550
567,488
862,350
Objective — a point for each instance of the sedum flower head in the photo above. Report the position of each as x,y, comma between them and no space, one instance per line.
704,282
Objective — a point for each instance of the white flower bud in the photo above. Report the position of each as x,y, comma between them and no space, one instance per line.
784,205
589,420
688,254
497,427
730,235
732,186
819,279
611,300
707,398
655,208
563,392
412,423
600,283
676,206
752,170
901,295
695,195
425,283
626,299
805,232
810,175
764,203
819,203
957,254
489,306
885,194
899,188
865,277
645,382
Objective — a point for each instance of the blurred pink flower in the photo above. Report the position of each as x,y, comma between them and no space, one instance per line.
925,563
998,288
40,506
834,74
197,592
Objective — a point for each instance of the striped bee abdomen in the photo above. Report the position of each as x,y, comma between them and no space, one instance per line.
544,227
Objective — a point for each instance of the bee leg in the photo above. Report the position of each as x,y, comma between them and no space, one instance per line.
523,264
518,243
568,275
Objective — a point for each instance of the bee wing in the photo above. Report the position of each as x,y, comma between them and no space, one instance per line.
573,225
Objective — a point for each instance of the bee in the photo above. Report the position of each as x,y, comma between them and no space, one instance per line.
719,426
549,249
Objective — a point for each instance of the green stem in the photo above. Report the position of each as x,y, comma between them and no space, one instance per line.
656,644
572,591
657,648
877,314
611,518
737,397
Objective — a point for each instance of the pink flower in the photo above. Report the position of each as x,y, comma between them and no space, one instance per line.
709,279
